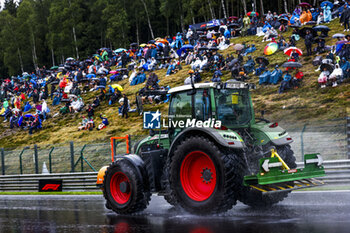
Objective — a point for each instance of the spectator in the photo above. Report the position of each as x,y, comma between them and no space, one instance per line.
336,75
308,42
104,122
297,79
322,79
96,102
285,84
35,124
345,17
125,106
90,111
83,124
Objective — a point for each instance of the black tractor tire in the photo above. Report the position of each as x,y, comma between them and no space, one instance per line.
255,198
168,194
202,177
124,190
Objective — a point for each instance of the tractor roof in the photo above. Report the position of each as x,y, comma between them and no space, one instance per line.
229,84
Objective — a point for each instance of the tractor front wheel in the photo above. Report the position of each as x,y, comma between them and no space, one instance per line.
202,178
123,188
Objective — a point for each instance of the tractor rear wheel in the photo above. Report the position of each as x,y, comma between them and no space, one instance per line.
202,178
255,198
123,188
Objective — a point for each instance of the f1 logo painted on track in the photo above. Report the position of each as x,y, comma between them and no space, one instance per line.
151,120
53,187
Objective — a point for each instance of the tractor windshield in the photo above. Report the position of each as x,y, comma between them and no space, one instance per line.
233,107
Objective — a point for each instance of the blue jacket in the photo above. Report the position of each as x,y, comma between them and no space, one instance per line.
287,77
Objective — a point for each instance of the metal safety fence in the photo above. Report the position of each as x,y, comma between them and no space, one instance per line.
61,158
337,173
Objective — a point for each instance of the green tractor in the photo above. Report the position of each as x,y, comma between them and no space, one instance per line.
213,153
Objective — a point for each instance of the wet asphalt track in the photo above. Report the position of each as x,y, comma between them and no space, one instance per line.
309,212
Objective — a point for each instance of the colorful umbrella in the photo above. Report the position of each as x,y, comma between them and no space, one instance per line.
142,45
253,13
119,50
160,44
164,41
270,49
288,51
120,88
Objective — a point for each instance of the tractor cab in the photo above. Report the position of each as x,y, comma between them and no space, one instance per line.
226,104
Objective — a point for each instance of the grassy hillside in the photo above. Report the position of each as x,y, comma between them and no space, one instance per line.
308,103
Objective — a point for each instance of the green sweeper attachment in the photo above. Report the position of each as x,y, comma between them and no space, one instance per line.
276,176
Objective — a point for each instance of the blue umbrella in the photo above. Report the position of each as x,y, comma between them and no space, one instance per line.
28,115
184,48
91,76
328,4
339,48
187,46
119,50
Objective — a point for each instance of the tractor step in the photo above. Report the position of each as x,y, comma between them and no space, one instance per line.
288,186
274,176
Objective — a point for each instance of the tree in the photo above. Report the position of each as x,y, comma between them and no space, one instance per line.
285,6
117,25
223,8
10,6
148,19
12,52
261,7
244,6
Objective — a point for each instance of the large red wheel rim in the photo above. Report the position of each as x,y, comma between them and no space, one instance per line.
121,197
198,176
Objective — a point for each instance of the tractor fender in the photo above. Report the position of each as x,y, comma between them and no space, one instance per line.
133,160
211,133
282,141
276,135
137,163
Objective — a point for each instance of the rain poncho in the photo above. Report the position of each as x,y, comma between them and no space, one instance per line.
5,104
294,19
337,72
265,77
345,66
303,17
251,49
44,107
327,13
27,107
266,26
249,66
140,78
276,76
